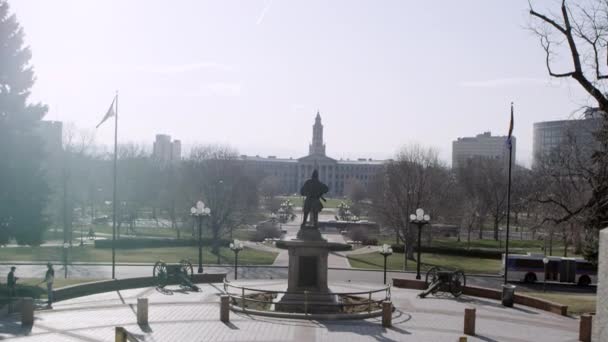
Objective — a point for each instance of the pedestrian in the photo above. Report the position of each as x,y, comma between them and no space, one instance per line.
11,282
49,278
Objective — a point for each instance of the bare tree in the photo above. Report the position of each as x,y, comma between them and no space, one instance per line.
73,174
356,191
270,188
415,179
218,178
485,187
562,187
584,28
136,185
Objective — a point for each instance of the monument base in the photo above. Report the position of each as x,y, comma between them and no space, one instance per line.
309,302
308,233
307,289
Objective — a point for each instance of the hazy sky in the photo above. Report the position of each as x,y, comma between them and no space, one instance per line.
254,73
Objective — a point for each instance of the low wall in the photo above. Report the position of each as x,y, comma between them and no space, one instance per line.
409,284
484,292
86,289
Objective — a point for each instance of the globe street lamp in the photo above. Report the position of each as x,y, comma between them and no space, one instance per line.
385,251
545,262
419,219
200,212
236,247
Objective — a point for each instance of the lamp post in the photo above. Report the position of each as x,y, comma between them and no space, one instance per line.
65,258
273,217
236,247
419,219
200,212
545,262
499,238
385,251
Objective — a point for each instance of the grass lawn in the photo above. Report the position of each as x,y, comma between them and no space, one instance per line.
143,231
167,254
160,232
578,303
395,262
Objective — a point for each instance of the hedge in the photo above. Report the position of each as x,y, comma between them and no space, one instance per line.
132,243
478,253
333,246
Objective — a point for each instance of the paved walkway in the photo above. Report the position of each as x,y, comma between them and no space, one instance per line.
186,316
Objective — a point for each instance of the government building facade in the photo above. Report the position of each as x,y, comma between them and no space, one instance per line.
292,173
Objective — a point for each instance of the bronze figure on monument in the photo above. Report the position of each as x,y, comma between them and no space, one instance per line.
313,190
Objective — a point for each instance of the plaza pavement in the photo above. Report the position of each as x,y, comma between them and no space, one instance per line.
183,316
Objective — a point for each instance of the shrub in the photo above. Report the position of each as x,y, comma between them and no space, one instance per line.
267,230
370,242
477,253
133,243
358,234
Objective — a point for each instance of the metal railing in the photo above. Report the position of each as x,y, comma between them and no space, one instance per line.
369,302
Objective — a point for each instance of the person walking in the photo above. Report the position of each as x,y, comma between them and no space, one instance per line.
11,282
49,278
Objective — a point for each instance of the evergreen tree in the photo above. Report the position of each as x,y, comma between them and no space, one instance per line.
23,187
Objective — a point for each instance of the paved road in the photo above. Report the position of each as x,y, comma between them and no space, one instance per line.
264,272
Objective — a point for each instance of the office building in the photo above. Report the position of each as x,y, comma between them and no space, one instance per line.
481,146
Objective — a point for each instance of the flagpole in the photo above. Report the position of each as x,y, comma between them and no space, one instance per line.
508,199
114,187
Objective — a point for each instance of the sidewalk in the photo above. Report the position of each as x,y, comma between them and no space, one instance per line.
178,315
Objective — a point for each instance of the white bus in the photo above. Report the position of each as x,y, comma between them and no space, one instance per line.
530,268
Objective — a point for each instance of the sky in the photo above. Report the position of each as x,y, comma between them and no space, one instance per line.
252,74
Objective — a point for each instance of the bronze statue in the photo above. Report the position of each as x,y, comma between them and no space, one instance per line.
313,190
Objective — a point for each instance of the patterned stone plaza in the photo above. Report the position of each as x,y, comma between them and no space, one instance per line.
179,315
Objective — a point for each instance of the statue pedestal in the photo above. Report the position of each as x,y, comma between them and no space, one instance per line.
307,278
308,233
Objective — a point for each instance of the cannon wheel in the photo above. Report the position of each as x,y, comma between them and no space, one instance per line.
431,276
457,283
160,274
186,268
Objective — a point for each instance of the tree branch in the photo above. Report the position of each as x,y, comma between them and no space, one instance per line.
547,20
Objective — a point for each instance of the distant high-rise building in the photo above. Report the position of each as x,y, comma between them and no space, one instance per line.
51,134
165,150
176,150
549,135
481,146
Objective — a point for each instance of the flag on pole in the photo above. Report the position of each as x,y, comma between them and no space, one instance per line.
511,123
109,114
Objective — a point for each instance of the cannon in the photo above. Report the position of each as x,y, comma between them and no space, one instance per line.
174,273
444,281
